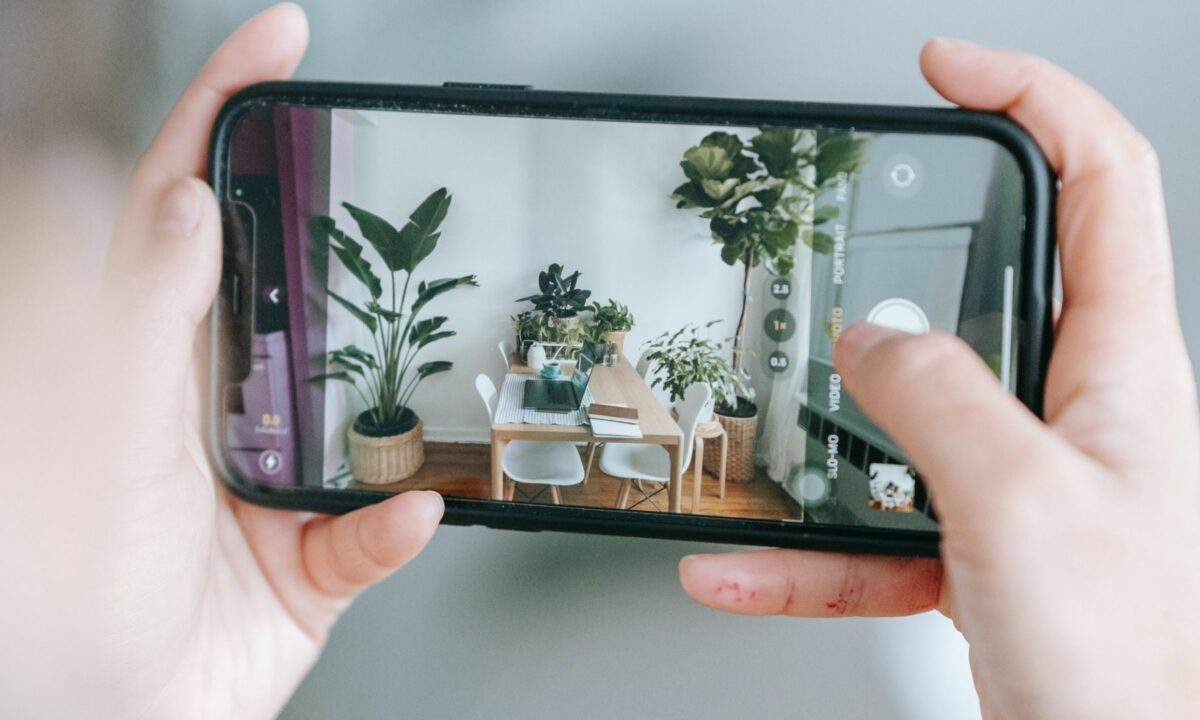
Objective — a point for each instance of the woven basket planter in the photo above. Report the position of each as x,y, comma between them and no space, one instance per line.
382,460
741,432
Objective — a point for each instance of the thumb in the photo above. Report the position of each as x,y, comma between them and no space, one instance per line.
946,409
160,281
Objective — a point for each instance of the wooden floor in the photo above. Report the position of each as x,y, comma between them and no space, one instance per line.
464,470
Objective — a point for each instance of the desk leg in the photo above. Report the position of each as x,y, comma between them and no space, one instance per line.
698,464
498,445
675,453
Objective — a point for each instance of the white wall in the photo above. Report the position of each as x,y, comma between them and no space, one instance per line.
594,196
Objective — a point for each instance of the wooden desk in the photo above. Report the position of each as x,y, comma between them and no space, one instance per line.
620,385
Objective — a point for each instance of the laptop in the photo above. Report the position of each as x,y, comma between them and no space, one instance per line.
559,395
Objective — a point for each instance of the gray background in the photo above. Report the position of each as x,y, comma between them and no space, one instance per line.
504,624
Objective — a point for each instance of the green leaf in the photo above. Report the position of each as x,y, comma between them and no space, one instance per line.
820,242
379,232
824,214
731,252
839,151
348,251
348,365
358,354
740,192
725,231
429,291
433,367
340,375
776,149
729,143
384,312
780,238
420,234
690,195
424,328
363,316
771,194
710,162
719,190
434,337
404,249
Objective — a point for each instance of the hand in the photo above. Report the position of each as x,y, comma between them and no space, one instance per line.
219,607
1070,547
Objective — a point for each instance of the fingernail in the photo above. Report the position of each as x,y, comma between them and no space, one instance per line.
953,42
856,342
440,500
179,211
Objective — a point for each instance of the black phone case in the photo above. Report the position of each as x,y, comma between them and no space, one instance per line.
1034,305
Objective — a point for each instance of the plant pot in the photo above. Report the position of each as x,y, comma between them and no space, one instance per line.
386,459
565,323
617,337
741,429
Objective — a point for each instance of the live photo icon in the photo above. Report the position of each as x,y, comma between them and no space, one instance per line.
893,487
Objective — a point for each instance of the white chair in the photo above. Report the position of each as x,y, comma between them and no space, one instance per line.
505,356
651,463
643,364
549,464
642,368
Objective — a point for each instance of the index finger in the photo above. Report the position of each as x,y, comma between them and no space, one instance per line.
1112,235
1118,290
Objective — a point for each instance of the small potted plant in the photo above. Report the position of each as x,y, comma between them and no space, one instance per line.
560,299
688,356
609,323
386,439
529,328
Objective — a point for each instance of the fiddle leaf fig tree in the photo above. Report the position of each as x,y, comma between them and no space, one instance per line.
386,375
757,195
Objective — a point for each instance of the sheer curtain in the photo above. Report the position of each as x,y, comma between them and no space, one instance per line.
775,449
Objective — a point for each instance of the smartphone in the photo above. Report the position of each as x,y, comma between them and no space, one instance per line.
606,313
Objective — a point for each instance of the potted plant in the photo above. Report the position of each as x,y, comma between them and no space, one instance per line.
386,440
758,197
609,323
560,299
529,328
688,356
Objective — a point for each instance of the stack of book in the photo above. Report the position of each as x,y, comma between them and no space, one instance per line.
613,421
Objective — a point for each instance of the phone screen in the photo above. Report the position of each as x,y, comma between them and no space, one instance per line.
517,307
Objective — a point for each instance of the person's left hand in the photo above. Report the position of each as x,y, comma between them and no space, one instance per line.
220,607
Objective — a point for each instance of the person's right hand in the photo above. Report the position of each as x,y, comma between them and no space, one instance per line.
1071,547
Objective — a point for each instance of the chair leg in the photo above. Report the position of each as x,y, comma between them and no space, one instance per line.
554,496
698,463
591,453
510,490
724,460
623,496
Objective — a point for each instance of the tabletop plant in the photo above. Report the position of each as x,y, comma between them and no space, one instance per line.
756,195
687,356
559,297
610,317
606,325
386,376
